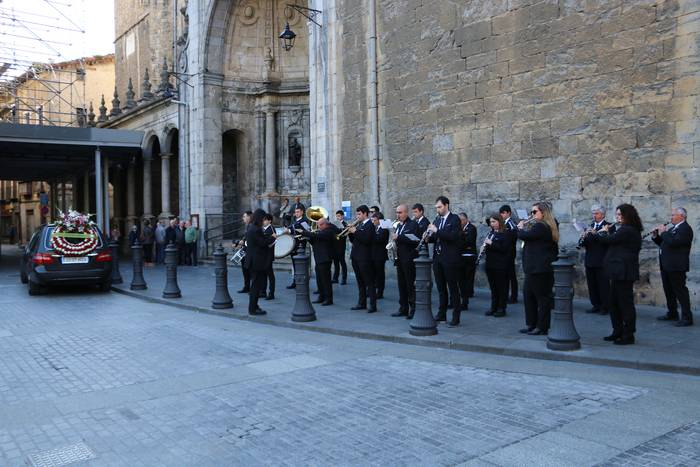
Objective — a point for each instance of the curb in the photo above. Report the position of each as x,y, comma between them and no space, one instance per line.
478,348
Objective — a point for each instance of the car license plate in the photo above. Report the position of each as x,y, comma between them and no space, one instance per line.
74,260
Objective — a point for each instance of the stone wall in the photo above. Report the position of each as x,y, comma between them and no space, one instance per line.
493,101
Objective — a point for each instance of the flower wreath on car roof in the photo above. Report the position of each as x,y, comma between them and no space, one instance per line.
74,235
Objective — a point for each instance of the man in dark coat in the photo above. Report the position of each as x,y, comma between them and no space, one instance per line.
298,222
379,253
268,230
419,218
323,242
596,276
339,250
362,237
512,230
405,267
257,255
674,261
467,267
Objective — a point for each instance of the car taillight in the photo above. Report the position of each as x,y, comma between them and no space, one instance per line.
42,258
104,257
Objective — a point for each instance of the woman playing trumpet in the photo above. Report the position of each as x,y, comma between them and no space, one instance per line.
497,253
540,248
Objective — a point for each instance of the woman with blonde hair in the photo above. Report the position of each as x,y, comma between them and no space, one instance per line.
540,236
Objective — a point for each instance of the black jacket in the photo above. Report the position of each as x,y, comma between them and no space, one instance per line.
447,240
468,240
622,257
271,248
498,253
595,250
362,241
257,250
379,242
296,224
512,237
169,234
323,243
539,250
422,226
405,248
675,247
339,243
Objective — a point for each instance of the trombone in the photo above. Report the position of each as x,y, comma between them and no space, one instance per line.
346,230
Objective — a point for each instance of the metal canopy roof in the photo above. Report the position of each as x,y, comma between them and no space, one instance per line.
37,152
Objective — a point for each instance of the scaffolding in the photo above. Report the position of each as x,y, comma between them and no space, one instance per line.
38,84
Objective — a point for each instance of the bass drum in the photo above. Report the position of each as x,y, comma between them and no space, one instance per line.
284,245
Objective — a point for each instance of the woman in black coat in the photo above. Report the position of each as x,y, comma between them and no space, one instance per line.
540,236
497,247
257,254
622,267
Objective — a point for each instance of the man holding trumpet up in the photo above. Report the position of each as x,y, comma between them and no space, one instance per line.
596,276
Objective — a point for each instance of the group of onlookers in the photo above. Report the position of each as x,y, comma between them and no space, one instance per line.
182,234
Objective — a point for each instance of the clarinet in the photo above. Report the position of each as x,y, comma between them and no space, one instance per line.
482,250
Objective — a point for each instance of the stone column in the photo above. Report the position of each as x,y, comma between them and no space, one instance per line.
165,184
130,195
269,151
147,190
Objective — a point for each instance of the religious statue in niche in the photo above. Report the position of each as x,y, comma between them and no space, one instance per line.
294,154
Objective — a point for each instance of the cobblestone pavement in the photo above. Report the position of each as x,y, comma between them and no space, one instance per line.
101,379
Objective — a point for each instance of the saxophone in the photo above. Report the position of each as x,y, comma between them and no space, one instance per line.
391,246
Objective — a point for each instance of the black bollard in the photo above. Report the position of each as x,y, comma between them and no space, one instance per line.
562,334
222,299
423,323
303,310
137,280
116,275
171,289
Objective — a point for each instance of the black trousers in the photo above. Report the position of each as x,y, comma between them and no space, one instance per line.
246,278
513,281
323,281
598,288
467,268
338,263
257,285
537,299
181,249
364,273
676,292
446,279
379,276
269,280
623,315
406,277
148,253
498,283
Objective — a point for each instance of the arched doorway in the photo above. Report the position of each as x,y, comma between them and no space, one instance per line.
152,153
231,154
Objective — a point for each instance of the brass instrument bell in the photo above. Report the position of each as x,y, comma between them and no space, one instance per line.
315,214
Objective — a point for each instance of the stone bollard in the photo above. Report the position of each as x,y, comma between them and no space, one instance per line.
114,250
303,310
171,289
562,333
137,280
222,299
423,323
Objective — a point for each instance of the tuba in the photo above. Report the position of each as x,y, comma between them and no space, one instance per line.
315,214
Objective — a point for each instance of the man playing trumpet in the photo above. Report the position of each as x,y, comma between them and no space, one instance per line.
405,267
596,276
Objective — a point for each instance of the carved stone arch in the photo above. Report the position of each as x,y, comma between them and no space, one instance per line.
150,139
218,19
169,132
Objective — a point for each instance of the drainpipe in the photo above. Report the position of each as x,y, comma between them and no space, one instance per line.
372,96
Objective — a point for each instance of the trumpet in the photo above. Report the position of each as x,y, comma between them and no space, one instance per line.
424,238
346,230
482,250
654,230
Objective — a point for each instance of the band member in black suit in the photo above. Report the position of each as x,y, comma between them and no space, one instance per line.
373,210
506,214
445,233
257,255
467,266
674,261
596,277
297,223
323,243
268,230
362,237
339,249
421,221
379,253
622,266
245,268
405,267
497,260
541,236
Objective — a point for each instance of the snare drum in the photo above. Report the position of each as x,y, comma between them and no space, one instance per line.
284,245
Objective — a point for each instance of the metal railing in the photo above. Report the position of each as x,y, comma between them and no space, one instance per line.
226,231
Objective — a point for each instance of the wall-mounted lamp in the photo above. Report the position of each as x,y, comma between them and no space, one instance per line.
288,36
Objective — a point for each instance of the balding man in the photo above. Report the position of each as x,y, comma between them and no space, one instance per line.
405,267
674,262
596,276
322,240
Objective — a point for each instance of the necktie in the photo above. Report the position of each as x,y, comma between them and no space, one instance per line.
442,222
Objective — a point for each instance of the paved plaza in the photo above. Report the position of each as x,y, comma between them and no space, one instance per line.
89,378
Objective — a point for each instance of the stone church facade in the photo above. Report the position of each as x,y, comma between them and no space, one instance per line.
488,102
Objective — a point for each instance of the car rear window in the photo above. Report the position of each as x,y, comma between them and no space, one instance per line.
49,231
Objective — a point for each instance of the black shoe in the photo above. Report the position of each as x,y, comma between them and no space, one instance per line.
525,330
683,323
410,314
262,295
499,314
453,324
537,332
343,281
270,296
258,312
318,300
244,290
603,312
315,292
359,307
326,303
450,306
668,317
489,313
593,310
380,296
612,337
441,316
399,313
372,310
513,300
292,286
624,340
334,281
